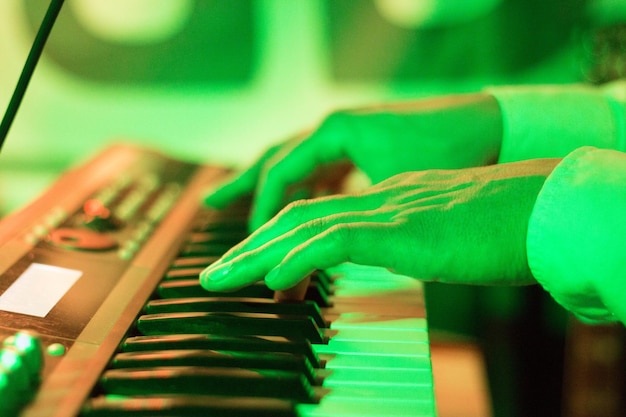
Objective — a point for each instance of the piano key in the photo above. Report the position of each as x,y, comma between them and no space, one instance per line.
324,280
315,292
392,378
187,406
369,388
183,273
367,406
367,327
213,358
188,288
190,268
188,262
320,284
205,249
223,226
202,380
230,237
217,342
378,358
234,304
232,324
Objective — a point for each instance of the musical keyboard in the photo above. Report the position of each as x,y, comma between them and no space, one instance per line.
127,330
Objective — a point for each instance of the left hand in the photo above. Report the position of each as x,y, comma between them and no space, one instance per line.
457,226
449,132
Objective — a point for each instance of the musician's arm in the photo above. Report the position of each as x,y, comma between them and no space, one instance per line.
505,225
576,239
552,121
449,132
457,226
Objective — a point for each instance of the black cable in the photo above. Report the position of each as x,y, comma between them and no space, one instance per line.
29,67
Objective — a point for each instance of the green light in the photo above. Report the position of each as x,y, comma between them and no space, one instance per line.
9,359
12,367
4,383
24,342
55,349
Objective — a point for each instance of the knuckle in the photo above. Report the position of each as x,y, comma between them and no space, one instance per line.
340,235
270,170
315,227
337,116
295,213
336,121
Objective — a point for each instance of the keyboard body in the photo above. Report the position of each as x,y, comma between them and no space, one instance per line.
97,264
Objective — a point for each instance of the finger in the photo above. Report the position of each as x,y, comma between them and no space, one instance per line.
231,190
612,295
295,293
359,242
299,213
251,266
293,165
281,171
240,185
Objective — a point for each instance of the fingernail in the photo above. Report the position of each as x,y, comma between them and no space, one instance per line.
210,198
212,267
272,275
215,273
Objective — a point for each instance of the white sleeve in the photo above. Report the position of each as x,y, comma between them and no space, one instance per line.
552,121
576,238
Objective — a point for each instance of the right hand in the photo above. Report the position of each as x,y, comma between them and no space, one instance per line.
455,226
449,132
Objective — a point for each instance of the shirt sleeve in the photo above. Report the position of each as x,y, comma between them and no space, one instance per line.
552,121
576,240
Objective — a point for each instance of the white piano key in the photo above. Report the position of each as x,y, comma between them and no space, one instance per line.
390,376
367,407
378,356
372,348
400,361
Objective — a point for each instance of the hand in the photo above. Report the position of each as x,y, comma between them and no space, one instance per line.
458,226
448,132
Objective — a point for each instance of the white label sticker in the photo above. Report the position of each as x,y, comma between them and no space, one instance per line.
38,289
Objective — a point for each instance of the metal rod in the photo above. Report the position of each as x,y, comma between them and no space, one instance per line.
29,67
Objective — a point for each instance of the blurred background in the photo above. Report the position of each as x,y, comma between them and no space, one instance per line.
218,81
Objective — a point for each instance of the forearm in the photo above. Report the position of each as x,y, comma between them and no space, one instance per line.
577,235
442,132
552,121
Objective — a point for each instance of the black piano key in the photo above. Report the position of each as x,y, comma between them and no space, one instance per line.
217,342
232,324
206,380
184,273
213,358
228,236
186,288
205,249
187,406
233,304
324,280
190,262
228,223
316,293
